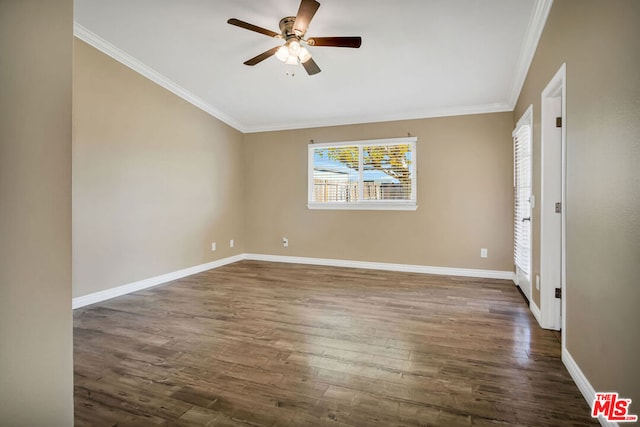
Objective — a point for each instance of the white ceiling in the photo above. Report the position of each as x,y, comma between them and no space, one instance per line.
419,58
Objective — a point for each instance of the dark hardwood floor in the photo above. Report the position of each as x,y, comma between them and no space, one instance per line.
263,344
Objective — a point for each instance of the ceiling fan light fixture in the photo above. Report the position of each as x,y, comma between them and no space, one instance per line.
304,55
294,47
292,60
283,53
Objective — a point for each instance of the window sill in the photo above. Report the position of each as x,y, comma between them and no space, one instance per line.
364,206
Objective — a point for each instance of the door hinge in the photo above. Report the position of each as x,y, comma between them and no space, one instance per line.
558,122
558,292
558,207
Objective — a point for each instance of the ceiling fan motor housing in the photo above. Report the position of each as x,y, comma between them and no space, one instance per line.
286,28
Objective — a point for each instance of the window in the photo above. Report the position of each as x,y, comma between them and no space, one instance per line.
374,174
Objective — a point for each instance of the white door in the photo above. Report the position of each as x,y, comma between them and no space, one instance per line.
552,201
522,167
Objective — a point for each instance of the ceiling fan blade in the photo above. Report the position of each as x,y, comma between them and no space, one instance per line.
311,67
306,11
354,42
251,27
264,55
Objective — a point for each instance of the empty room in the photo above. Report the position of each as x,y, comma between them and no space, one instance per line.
300,212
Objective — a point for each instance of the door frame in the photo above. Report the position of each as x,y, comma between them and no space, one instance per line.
553,312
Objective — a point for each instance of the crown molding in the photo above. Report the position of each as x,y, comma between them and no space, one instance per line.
532,38
124,58
420,114
530,43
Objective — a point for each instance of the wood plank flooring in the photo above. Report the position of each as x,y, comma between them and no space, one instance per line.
265,344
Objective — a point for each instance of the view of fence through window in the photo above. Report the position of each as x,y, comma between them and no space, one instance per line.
370,172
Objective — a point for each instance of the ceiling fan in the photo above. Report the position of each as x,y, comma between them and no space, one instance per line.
292,31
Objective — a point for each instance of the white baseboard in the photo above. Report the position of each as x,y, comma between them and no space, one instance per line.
535,310
150,282
585,387
164,278
407,268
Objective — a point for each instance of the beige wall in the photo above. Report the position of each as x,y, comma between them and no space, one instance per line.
155,179
600,43
35,213
465,196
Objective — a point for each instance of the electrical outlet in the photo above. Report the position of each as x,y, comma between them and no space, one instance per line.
285,242
483,252
213,246
231,243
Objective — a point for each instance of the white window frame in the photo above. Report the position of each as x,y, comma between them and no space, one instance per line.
361,204
526,121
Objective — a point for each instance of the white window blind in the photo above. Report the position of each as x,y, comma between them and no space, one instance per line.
522,190
375,174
